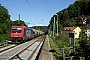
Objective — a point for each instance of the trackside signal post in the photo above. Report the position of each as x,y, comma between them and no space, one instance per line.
72,35
54,28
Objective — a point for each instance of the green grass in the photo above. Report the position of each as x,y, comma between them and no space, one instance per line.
55,50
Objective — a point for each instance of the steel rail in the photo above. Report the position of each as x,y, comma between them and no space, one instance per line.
9,54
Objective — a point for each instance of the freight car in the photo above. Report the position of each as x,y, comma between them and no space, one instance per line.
37,32
23,33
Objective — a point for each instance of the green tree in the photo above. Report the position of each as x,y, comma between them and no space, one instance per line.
19,22
8,24
84,48
5,23
4,15
66,15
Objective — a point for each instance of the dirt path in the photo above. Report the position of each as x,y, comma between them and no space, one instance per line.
45,52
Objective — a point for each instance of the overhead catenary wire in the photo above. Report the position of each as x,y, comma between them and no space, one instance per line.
32,9
46,7
13,14
12,5
35,9
16,9
37,13
10,11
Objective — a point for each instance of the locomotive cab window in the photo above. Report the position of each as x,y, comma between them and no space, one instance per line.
33,32
16,30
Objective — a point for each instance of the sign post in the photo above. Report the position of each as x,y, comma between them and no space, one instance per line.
72,35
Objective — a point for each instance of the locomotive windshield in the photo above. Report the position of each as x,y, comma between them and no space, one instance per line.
16,30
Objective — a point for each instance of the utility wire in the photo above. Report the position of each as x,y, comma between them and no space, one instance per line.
9,11
12,10
32,10
35,9
14,7
13,13
46,7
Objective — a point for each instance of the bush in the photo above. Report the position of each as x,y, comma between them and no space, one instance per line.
4,37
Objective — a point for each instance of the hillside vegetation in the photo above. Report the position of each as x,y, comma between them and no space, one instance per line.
71,16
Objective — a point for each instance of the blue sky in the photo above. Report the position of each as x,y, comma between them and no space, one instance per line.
35,12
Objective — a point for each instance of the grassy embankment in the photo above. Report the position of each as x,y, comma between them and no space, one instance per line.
56,51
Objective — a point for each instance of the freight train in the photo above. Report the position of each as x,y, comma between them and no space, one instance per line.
22,33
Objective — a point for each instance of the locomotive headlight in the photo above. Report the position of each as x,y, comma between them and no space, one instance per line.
19,36
15,36
11,36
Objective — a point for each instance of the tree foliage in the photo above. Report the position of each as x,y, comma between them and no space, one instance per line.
4,18
6,23
71,16
84,48
4,15
18,22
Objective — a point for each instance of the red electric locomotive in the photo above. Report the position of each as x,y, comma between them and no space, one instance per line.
20,33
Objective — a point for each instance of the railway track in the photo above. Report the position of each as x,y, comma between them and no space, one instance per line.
25,51
7,48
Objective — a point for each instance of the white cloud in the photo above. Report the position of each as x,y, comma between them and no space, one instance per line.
39,25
